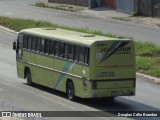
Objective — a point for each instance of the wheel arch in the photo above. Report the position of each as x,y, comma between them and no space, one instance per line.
69,80
26,70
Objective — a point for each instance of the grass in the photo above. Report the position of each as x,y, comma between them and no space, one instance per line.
147,54
18,24
148,58
64,7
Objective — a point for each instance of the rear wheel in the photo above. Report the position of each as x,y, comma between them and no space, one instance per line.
111,98
29,78
70,91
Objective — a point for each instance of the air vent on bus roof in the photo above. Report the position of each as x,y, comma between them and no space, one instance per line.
49,28
88,35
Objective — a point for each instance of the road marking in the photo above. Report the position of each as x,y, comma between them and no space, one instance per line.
89,108
49,99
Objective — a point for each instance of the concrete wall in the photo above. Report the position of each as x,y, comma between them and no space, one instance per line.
72,2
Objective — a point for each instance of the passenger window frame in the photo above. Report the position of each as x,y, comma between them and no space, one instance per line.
59,48
70,46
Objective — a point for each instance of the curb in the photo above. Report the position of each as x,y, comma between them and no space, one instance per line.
8,30
138,75
147,77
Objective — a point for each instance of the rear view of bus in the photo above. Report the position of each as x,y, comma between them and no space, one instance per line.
113,68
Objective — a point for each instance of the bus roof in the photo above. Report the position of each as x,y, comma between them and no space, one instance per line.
68,35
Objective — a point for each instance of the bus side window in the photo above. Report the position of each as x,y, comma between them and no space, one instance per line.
46,47
86,55
70,51
25,41
38,44
33,43
61,50
81,54
66,51
29,42
51,47
56,48
76,53
42,45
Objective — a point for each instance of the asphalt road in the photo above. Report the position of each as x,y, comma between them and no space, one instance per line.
15,94
23,9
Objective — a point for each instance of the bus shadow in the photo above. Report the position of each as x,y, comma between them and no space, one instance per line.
124,104
48,90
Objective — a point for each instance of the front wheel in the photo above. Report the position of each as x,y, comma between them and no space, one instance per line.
70,91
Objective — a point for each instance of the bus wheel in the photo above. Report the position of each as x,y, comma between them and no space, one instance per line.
70,90
29,78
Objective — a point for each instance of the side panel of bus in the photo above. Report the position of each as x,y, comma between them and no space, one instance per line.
53,72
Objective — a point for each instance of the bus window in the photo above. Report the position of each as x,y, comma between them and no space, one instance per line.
46,47
42,46
38,44
51,47
56,48
61,50
81,54
29,42
66,51
33,43
25,41
87,55
76,53
70,51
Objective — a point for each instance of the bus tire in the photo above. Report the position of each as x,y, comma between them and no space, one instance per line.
70,90
29,77
110,98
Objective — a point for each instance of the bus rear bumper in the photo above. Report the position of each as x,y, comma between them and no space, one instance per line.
97,93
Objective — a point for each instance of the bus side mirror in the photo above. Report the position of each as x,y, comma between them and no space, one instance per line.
14,45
